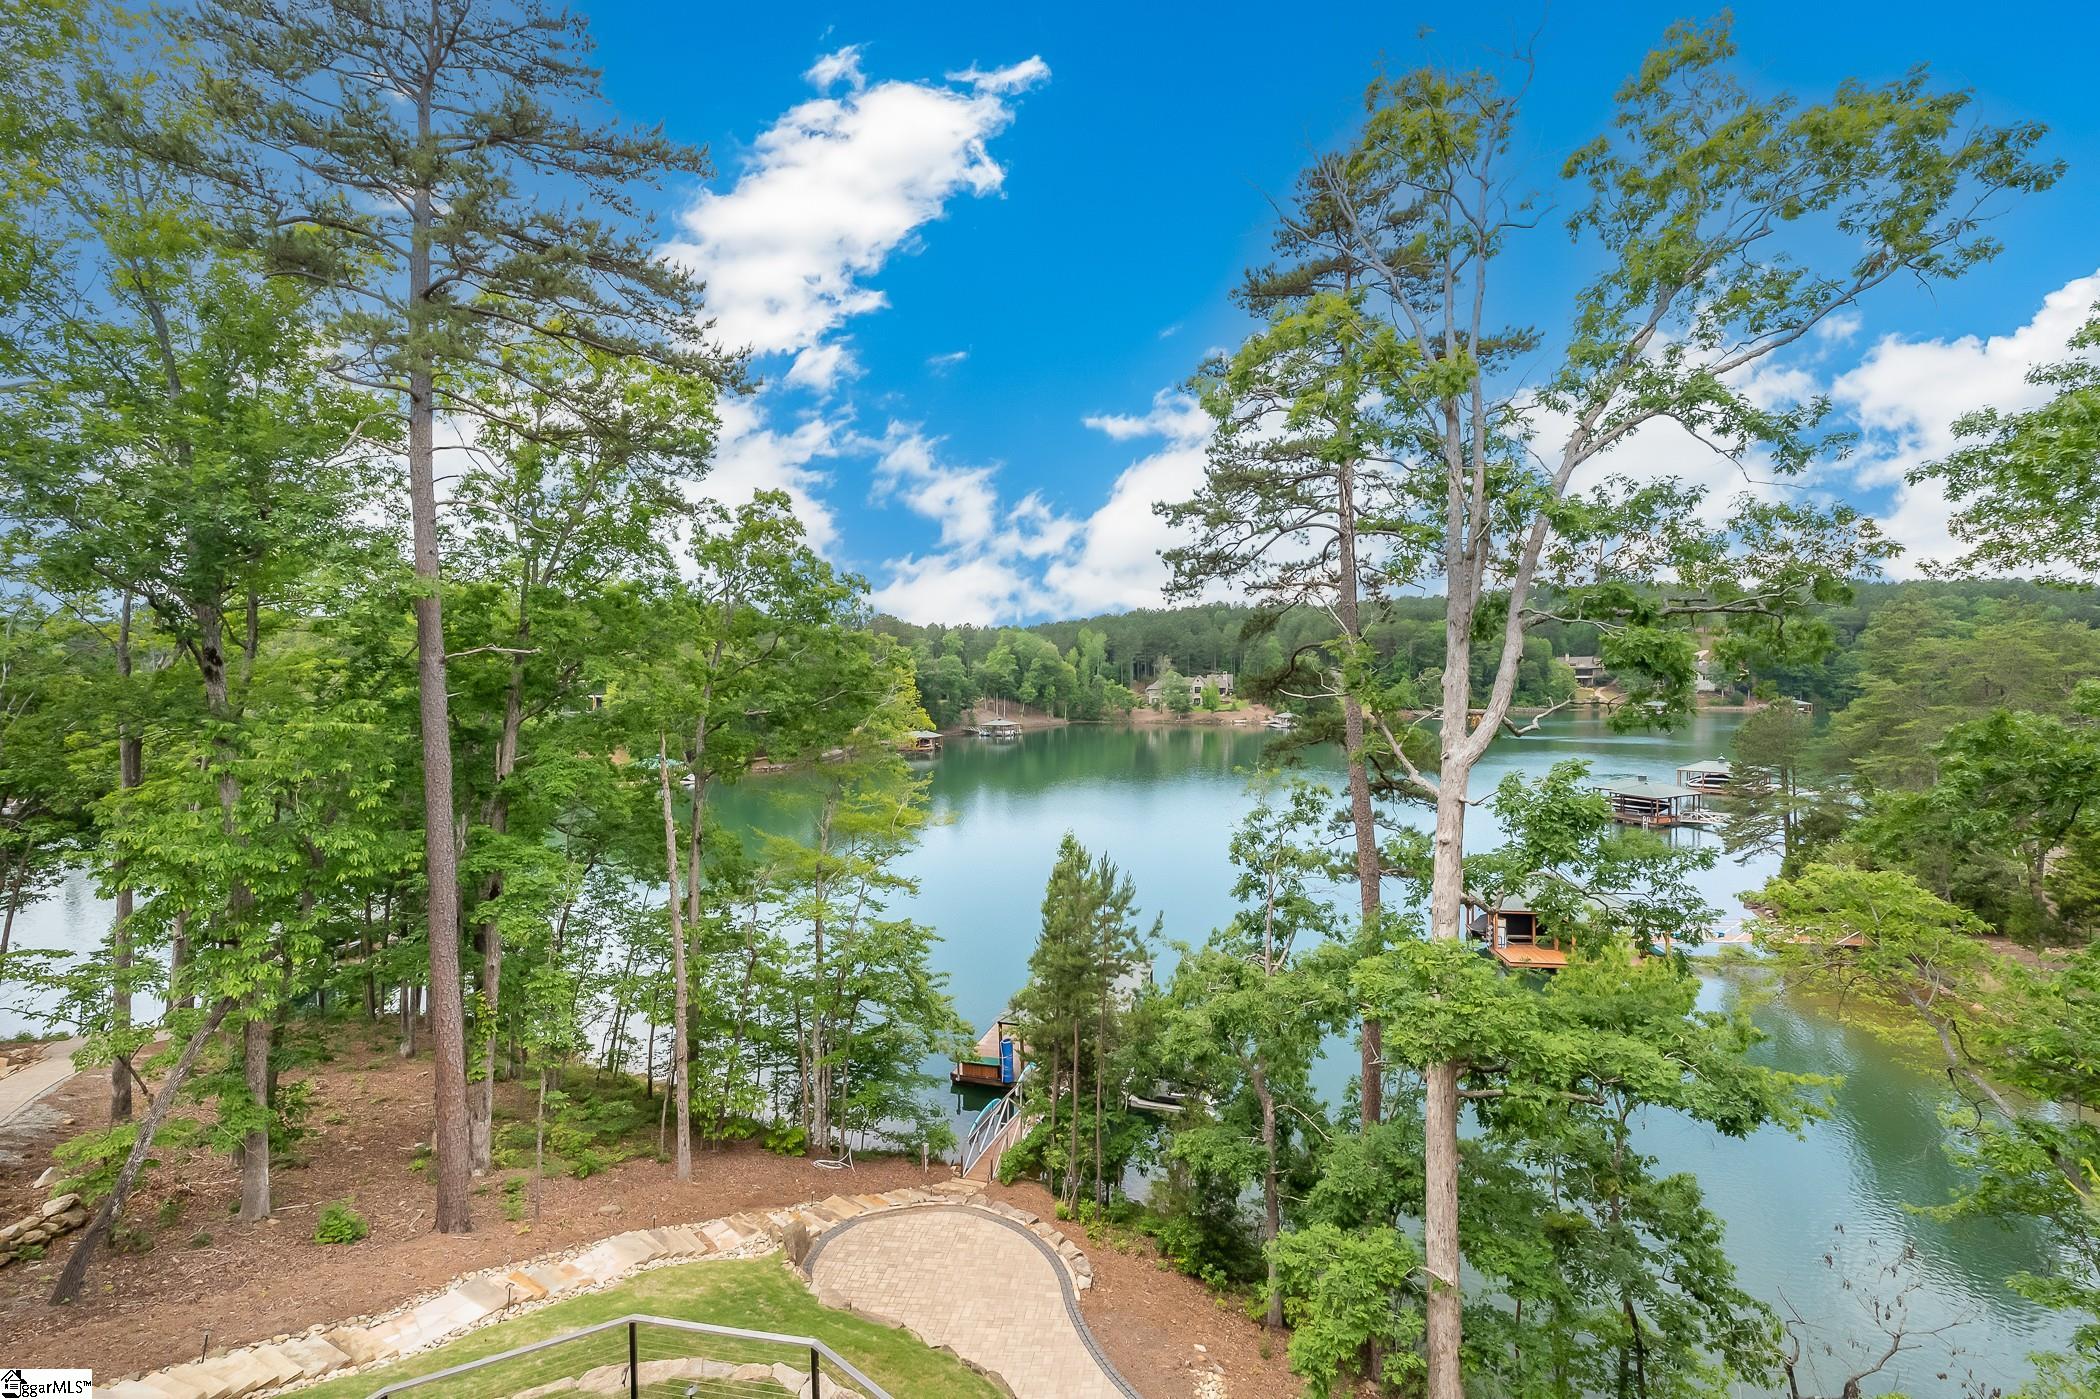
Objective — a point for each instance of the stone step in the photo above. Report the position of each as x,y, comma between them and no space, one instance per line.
530,1289
313,1355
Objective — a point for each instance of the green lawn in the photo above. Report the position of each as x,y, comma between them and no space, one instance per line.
758,1295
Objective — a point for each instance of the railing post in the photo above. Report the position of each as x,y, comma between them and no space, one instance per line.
816,1373
634,1364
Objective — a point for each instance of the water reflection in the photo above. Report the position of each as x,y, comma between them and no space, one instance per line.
1162,801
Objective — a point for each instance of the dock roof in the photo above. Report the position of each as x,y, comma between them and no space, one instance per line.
1523,898
1720,765
1642,787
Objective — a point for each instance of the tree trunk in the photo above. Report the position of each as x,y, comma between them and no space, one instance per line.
454,1171
255,1143
75,1271
1271,1203
693,850
481,1129
682,1150
130,772
179,958
1348,611
1072,1158
1100,1055
1440,1243
539,1145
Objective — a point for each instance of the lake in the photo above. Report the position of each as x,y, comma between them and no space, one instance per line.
1162,802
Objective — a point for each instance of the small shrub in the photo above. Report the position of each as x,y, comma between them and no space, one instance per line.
340,1223
787,1140
514,1199
200,1239
584,1162
28,1253
170,1212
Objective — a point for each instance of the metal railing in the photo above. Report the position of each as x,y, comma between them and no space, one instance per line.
996,1117
655,1356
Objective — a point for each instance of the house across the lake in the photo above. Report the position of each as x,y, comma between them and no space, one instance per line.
1589,670
920,743
1155,693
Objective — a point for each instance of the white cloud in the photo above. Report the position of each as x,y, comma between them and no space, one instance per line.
1018,77
1906,394
753,456
842,65
832,189
944,588
942,363
1173,415
1116,564
987,546
820,367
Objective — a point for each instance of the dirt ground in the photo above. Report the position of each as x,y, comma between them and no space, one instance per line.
210,1282
1164,1331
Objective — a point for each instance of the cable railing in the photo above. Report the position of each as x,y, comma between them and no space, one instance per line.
656,1356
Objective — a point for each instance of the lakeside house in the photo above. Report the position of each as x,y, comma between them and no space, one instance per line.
920,743
1155,693
1517,933
1589,671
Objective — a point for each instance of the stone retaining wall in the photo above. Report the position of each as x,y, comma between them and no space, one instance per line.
41,1227
496,1294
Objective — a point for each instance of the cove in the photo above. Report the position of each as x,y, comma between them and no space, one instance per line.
1162,802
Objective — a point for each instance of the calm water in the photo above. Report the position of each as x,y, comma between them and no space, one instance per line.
1163,801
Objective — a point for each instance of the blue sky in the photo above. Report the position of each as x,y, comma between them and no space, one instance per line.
980,246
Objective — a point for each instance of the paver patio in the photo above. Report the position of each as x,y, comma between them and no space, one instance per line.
974,1283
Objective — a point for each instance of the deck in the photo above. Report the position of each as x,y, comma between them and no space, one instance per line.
1528,957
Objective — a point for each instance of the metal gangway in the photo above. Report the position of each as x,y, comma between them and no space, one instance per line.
1002,1123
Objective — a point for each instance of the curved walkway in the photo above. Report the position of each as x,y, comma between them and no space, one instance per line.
20,1089
974,1282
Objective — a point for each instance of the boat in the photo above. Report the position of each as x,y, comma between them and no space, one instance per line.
1282,722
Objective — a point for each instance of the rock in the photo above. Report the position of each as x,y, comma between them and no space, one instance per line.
73,1218
59,1205
10,1234
33,1236
47,1179
608,1208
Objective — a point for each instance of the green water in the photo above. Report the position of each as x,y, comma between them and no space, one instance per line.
1162,802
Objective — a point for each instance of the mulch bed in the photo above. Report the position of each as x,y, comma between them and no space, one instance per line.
1161,1329
210,1282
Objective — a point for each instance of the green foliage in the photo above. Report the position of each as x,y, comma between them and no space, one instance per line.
786,1139
2028,482
340,1223
1343,1290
